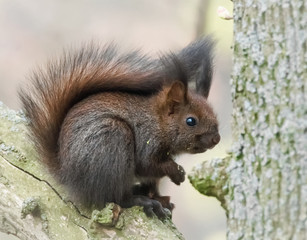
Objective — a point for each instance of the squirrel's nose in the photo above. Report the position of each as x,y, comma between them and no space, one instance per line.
216,139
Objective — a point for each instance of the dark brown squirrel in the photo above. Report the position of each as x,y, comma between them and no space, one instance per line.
103,121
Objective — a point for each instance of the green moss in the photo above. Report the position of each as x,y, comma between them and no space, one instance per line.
105,216
203,185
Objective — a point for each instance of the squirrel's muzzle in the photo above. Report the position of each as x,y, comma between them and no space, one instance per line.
205,142
216,139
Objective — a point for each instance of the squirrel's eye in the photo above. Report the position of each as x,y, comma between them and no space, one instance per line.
191,121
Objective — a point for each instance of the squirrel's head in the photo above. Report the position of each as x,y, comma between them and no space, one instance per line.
187,120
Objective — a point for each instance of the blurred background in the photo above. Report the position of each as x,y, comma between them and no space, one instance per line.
32,31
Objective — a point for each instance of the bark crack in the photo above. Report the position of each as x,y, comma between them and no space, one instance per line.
44,181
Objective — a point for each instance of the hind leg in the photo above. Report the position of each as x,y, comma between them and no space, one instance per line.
97,156
150,188
150,206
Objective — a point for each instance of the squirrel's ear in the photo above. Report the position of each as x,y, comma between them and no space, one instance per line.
197,58
176,95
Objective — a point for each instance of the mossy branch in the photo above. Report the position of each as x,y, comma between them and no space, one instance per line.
210,179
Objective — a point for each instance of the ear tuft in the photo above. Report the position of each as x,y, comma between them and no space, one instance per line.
197,59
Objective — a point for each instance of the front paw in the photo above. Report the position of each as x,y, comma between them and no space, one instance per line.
179,176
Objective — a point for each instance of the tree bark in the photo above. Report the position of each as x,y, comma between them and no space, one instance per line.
33,206
263,183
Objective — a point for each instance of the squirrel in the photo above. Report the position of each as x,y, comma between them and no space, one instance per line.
108,125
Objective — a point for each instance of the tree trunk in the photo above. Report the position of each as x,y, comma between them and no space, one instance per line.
33,206
263,183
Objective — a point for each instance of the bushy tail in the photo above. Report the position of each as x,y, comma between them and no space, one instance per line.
66,81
